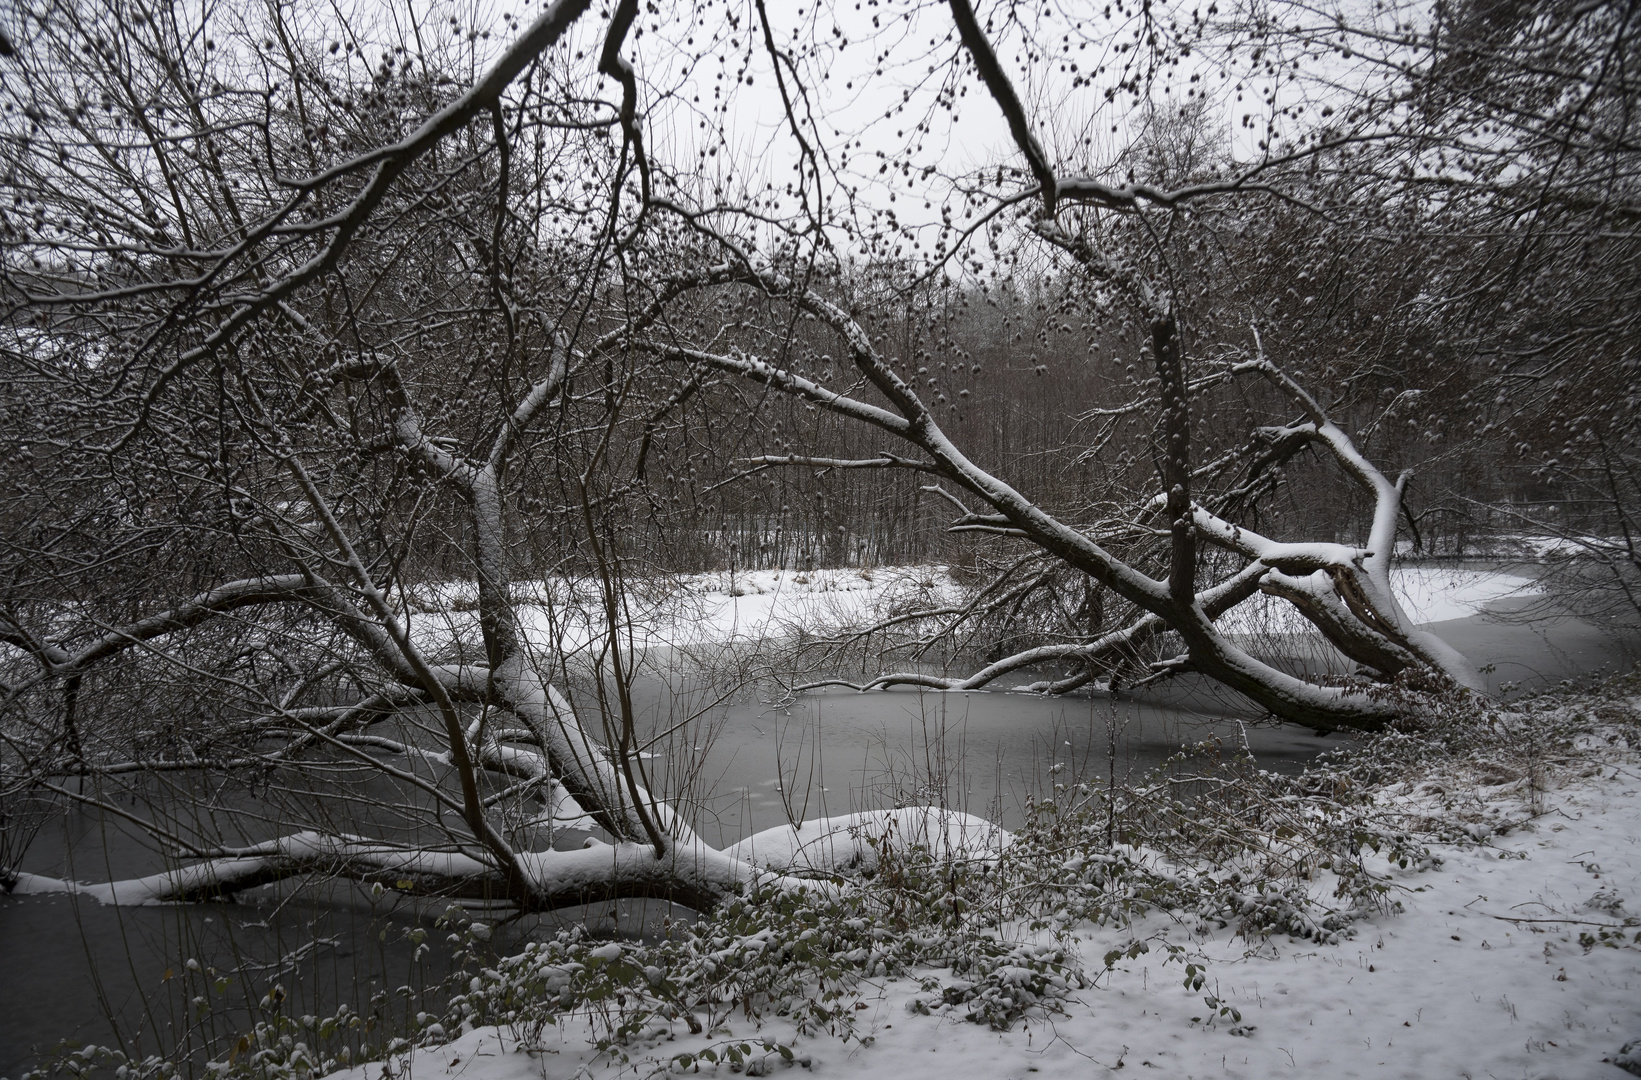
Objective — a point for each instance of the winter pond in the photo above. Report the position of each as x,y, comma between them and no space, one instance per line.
70,964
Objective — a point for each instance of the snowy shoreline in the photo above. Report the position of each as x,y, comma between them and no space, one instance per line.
1518,954
723,607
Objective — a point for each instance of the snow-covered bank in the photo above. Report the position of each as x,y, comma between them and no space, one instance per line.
1517,955
688,610
1429,594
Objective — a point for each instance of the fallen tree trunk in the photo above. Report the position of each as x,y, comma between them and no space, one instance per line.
690,874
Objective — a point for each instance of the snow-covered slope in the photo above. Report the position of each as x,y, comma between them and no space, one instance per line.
686,610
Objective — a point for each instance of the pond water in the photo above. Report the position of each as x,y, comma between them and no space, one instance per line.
836,751
77,970
73,969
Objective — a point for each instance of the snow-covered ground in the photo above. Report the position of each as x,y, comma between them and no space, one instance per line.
1428,594
688,610
1432,594
1494,968
750,606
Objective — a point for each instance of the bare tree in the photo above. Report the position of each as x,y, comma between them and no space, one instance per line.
287,320
308,321
1553,292
1119,240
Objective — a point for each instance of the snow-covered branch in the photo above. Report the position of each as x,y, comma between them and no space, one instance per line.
882,461
689,874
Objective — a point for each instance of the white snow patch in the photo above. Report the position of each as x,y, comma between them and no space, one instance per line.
1431,594
684,610
1428,594
838,843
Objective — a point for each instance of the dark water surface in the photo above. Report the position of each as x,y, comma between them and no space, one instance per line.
69,964
836,751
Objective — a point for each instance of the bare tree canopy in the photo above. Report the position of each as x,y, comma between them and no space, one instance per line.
309,320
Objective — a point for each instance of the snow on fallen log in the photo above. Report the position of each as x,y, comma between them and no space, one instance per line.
855,842
688,873
263,864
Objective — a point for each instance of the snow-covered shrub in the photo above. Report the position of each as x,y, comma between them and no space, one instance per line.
277,1047
1208,839
1002,987
1214,839
90,1059
799,954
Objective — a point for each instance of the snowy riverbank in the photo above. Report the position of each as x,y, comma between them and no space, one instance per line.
1519,955
720,607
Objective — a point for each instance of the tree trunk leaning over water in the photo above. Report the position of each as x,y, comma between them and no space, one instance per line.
310,353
